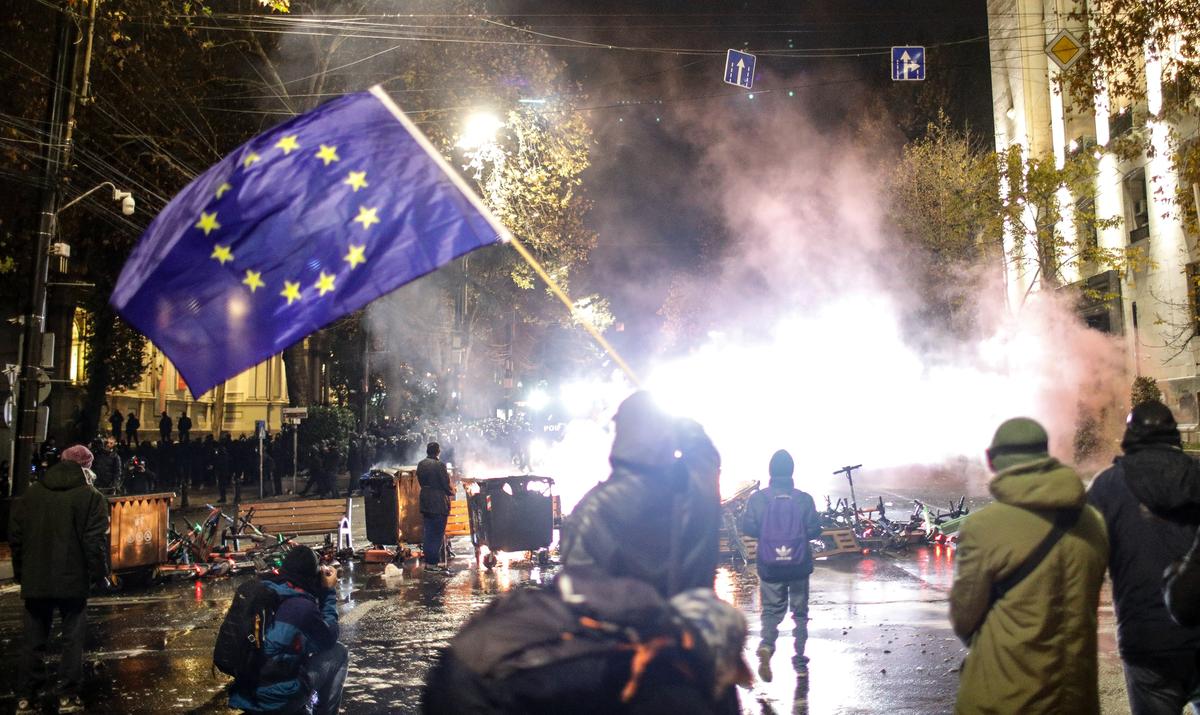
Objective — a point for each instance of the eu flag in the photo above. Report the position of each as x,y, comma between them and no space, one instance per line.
293,230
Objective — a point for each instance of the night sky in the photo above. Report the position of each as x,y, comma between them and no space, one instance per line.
838,68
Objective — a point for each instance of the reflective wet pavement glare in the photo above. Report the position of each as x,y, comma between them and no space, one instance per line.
879,637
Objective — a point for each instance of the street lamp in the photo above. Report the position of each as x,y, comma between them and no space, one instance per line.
479,130
126,198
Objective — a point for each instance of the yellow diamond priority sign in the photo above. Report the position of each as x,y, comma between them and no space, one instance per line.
1065,49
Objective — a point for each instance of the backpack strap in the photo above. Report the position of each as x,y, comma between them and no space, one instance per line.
1064,521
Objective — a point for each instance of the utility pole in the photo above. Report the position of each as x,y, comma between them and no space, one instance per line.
60,116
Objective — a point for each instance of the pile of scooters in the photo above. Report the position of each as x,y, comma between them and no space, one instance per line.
220,545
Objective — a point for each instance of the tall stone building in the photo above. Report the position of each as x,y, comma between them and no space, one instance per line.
1152,307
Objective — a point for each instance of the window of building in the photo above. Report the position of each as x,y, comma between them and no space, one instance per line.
77,369
1137,205
1193,293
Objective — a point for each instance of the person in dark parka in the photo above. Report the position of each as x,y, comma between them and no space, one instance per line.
663,493
1159,656
435,498
58,533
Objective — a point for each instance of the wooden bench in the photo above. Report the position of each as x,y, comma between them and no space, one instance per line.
457,523
307,517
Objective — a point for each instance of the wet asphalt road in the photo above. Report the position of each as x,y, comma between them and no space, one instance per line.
879,637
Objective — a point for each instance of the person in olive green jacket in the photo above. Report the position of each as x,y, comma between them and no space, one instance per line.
1033,650
58,532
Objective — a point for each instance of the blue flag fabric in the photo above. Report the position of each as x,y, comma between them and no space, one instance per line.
296,228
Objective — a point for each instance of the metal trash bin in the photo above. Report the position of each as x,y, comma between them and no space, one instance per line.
381,507
138,531
511,514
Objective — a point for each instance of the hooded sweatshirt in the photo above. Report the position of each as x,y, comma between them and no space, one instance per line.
756,510
1131,494
58,532
305,624
623,526
1034,650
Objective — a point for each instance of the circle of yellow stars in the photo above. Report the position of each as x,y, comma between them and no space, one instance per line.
292,291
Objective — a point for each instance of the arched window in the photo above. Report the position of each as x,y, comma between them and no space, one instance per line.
77,370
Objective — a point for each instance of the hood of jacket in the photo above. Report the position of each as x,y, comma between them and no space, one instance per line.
1041,484
1165,479
285,589
64,476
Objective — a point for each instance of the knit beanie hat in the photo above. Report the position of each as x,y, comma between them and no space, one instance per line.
301,566
1150,423
1018,441
78,454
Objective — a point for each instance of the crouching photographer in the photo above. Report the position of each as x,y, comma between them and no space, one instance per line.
297,665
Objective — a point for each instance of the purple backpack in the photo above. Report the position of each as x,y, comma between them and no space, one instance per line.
782,541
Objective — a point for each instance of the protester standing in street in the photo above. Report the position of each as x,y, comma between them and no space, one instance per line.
185,426
1028,570
1159,656
436,495
115,420
59,539
663,494
783,519
106,463
132,424
164,428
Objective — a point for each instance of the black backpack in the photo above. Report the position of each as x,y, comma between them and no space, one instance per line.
588,644
239,647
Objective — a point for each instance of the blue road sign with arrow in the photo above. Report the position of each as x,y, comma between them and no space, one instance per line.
908,64
739,68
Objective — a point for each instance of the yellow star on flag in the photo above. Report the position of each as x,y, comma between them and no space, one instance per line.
327,154
291,291
324,283
222,189
208,222
250,160
356,179
288,144
222,254
356,256
366,216
253,279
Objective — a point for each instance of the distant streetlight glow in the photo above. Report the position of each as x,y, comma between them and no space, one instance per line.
538,399
479,130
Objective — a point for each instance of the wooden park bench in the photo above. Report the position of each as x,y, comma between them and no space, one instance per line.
305,517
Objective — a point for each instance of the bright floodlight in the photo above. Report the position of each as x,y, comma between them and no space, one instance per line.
479,130
538,399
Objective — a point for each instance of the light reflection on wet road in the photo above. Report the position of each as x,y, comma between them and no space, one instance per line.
879,637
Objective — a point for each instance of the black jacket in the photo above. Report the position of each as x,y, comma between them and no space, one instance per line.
756,509
1182,588
107,466
623,526
436,492
1143,545
58,532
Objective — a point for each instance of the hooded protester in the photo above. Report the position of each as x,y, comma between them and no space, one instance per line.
1153,478
305,665
783,583
1028,571
58,533
107,463
661,467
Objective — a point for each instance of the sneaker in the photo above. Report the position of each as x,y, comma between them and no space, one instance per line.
764,663
437,568
25,707
70,704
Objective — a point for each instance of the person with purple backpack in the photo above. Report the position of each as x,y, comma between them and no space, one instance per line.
783,519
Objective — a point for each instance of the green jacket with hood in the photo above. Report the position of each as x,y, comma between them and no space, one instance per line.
58,532
1034,651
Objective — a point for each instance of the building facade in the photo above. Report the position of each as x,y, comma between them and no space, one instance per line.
1151,306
